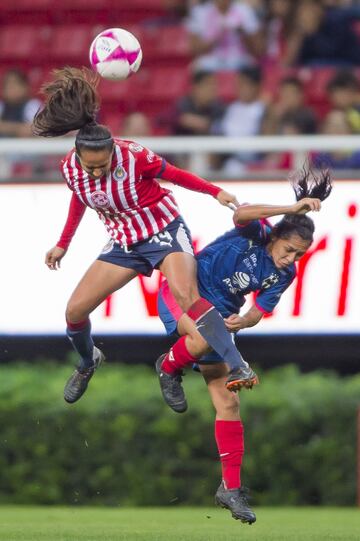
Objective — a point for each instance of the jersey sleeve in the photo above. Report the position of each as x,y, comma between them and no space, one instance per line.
269,296
75,214
149,164
256,230
189,180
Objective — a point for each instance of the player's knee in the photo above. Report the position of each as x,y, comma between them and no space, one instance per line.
228,405
197,346
185,295
75,312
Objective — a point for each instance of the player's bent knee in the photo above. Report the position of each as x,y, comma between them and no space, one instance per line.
185,297
197,345
75,313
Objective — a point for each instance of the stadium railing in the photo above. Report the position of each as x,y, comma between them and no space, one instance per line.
197,148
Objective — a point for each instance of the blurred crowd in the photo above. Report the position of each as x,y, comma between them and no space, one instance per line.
275,53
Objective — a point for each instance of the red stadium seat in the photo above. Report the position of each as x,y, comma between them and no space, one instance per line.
226,81
316,80
24,42
141,4
86,4
26,5
70,43
114,91
167,83
173,41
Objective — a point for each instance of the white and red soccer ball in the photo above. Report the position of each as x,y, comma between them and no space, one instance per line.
115,54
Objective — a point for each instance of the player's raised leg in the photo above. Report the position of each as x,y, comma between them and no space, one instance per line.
180,271
229,435
101,279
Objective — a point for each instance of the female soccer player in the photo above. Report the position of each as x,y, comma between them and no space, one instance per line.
116,178
252,257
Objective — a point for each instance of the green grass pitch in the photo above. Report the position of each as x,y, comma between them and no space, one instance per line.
176,524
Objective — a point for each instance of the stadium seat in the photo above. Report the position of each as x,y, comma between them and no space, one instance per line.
86,4
316,80
226,81
114,91
23,42
70,43
168,83
25,5
173,41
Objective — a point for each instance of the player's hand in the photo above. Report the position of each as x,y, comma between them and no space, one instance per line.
228,200
54,256
306,205
234,323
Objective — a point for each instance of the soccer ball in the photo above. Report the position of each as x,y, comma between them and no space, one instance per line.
115,54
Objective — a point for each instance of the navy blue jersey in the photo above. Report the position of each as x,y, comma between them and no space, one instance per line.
237,263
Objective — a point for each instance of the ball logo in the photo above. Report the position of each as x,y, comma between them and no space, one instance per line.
100,199
120,174
241,279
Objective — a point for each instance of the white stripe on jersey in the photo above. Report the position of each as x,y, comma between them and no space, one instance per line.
71,184
85,181
166,211
140,221
112,203
152,220
120,183
66,172
133,192
171,203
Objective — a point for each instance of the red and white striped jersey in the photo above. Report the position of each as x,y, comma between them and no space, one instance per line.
130,202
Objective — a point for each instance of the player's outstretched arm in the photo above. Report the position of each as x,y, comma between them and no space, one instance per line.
197,184
247,213
75,214
235,322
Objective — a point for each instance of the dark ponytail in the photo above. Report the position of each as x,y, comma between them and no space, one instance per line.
72,103
305,184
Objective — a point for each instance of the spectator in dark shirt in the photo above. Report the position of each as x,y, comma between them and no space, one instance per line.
17,109
344,94
200,109
324,35
290,102
336,123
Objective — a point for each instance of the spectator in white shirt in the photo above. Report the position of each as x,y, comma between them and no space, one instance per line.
244,116
224,35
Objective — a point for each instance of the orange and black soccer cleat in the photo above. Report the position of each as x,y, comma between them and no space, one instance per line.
241,378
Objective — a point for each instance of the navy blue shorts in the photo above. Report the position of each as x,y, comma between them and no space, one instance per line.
147,255
170,313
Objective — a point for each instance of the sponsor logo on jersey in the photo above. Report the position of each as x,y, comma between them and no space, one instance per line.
120,174
270,281
150,156
135,147
241,279
100,199
238,282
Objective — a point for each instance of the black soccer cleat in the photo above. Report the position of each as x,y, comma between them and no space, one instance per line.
171,388
78,381
236,500
241,377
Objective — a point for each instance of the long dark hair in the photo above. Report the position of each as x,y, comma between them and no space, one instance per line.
305,183
72,103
